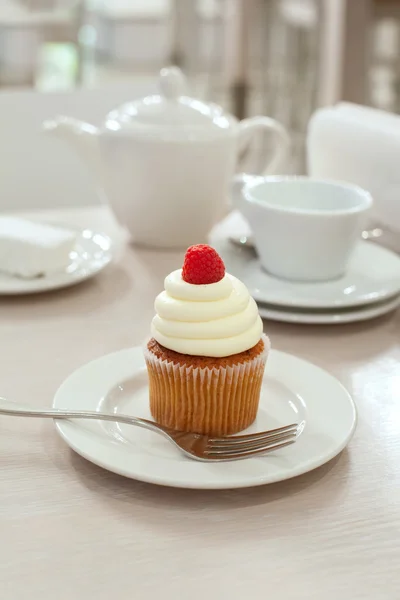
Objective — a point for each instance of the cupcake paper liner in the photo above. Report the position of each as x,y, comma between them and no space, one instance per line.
216,401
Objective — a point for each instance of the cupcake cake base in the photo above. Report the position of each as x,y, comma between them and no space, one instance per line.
206,395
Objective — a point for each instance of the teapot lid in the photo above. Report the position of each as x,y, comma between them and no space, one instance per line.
171,115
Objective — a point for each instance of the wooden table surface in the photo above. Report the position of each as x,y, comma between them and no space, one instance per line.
72,531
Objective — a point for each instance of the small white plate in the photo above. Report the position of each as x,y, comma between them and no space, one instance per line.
325,317
91,254
294,391
373,275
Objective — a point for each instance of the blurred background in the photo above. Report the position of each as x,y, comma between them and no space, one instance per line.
282,58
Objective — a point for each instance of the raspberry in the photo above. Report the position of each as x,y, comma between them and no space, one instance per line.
202,265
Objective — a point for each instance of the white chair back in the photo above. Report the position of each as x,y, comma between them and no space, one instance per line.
37,170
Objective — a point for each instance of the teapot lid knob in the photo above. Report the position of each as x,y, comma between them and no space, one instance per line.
172,82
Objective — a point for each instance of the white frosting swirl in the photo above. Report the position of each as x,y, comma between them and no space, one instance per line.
218,319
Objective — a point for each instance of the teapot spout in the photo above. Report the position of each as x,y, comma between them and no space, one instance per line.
84,137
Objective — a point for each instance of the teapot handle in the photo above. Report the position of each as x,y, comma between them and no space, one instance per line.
260,164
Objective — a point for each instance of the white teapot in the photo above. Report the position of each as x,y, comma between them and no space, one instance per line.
166,161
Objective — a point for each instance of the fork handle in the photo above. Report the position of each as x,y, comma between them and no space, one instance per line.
17,410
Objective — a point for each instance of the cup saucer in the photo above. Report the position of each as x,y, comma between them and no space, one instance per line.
373,275
334,316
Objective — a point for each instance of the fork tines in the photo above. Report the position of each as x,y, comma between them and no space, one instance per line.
257,443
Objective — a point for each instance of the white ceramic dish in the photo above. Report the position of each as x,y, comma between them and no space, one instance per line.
333,317
91,254
373,275
182,135
294,390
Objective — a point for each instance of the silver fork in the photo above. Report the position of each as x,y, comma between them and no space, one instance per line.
199,447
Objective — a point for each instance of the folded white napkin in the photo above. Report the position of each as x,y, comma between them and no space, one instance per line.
360,145
29,249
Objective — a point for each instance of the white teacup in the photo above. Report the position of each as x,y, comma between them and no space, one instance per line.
304,229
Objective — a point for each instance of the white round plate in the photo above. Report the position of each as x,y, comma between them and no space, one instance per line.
373,274
294,391
91,254
325,317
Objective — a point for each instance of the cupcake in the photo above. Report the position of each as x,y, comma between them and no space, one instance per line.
207,354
